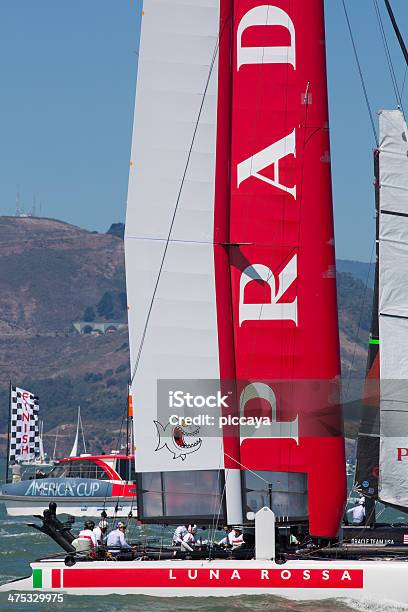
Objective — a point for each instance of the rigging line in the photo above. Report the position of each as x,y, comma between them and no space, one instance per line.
246,468
116,452
404,81
177,204
215,522
388,54
361,73
359,323
220,462
397,30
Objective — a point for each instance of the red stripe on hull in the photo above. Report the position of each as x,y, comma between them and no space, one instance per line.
123,490
56,579
205,578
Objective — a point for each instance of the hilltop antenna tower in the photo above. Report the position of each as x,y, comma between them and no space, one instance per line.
18,204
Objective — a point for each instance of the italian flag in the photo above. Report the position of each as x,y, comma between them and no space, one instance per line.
46,578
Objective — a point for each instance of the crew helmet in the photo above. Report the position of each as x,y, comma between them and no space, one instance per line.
89,525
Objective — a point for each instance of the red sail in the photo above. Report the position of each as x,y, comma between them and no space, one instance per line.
282,259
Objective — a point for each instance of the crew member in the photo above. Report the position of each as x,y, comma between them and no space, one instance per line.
189,538
236,537
16,472
86,540
179,534
358,512
100,532
116,540
293,540
225,540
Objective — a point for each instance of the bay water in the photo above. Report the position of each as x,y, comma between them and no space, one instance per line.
20,544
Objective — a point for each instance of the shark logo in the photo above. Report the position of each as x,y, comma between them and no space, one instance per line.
179,440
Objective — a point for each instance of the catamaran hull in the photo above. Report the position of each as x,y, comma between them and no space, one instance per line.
23,506
381,581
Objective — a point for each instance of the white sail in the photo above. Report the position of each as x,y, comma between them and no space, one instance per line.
54,453
169,241
41,444
74,450
82,430
393,307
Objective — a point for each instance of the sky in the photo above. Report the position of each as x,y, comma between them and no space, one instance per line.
67,86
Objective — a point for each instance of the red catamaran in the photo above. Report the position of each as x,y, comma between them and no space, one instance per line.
232,294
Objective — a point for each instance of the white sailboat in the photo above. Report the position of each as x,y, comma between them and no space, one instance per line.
79,428
81,484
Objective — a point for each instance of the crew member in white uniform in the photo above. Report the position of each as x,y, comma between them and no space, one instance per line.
236,537
225,540
86,541
358,512
189,538
179,534
100,532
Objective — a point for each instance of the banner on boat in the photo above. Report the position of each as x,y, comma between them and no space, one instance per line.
24,425
324,578
59,487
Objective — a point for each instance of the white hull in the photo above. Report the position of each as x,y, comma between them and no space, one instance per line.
380,581
73,506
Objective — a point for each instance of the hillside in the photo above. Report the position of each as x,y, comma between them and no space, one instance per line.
359,269
54,274
51,273
354,302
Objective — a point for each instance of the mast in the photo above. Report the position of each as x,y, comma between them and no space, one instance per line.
368,441
41,443
129,420
82,431
55,443
6,475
